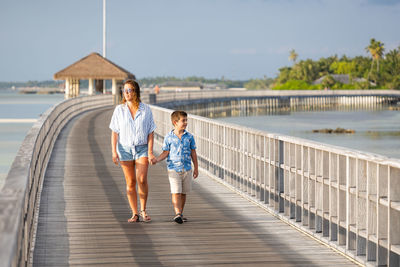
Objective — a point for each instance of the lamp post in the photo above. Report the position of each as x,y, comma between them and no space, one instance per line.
104,39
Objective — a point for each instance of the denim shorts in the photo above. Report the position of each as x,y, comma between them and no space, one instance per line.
129,153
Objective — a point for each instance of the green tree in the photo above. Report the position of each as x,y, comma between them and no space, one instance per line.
284,75
293,56
376,50
342,67
392,62
362,66
328,82
295,85
324,65
258,84
309,70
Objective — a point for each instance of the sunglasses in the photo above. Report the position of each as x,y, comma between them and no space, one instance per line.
129,90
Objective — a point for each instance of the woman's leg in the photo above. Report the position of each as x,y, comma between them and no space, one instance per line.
142,166
128,168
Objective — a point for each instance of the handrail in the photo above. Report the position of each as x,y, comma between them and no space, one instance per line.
163,97
348,199
285,174
20,193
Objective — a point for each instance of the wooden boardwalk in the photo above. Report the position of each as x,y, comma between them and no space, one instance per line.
83,213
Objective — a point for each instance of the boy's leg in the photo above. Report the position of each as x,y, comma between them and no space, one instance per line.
177,202
183,206
186,188
183,201
175,180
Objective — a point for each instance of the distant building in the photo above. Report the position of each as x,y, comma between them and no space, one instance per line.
215,86
180,86
94,68
341,78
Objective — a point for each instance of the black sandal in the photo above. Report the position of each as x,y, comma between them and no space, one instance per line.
178,218
134,218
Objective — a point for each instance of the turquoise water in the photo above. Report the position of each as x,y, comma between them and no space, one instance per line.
19,106
376,132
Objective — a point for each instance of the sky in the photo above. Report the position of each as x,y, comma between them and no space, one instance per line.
234,39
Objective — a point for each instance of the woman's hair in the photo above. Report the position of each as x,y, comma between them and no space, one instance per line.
136,90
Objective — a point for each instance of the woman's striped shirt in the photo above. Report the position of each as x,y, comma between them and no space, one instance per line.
132,132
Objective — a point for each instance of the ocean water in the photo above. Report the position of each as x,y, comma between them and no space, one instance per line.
377,132
13,108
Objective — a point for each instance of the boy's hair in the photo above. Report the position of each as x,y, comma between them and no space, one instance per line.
177,114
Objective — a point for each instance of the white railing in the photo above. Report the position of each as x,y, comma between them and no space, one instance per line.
348,199
163,97
20,195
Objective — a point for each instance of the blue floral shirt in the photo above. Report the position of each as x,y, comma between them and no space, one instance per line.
180,150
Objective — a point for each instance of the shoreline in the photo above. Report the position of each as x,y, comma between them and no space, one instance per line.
39,90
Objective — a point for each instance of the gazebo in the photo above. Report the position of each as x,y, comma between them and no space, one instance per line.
94,68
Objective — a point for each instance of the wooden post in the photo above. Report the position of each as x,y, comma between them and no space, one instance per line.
114,91
74,88
90,89
67,89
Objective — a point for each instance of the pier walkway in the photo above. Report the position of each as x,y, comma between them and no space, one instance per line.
83,213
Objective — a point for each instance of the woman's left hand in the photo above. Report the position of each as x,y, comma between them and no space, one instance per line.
151,159
115,158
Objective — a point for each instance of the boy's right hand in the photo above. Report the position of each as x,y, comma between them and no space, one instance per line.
195,173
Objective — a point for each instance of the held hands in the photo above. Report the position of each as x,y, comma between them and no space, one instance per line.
152,159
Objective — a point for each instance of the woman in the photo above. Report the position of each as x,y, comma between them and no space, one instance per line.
132,140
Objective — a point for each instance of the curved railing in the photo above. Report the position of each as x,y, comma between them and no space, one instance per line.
20,195
348,199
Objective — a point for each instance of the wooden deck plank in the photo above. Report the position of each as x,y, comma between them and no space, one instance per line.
84,209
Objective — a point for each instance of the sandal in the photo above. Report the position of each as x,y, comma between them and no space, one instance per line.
146,217
178,218
135,218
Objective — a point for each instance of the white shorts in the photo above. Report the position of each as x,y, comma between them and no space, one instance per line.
180,182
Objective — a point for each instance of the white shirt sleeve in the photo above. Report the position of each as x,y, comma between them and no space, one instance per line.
152,125
114,125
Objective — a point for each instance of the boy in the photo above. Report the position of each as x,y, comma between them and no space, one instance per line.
180,148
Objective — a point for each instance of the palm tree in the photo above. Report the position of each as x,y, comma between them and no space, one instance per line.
376,49
392,60
293,56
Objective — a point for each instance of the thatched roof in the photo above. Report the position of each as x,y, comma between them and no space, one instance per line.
94,66
342,78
